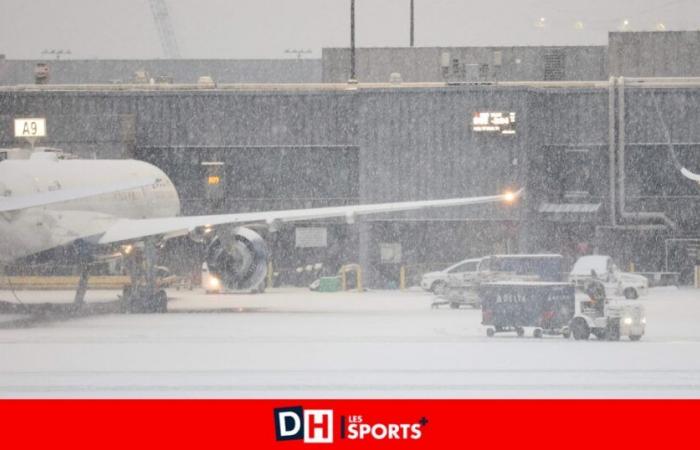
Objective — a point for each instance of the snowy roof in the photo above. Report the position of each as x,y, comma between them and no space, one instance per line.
468,260
464,261
585,264
569,208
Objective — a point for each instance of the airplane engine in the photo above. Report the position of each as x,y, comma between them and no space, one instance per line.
238,258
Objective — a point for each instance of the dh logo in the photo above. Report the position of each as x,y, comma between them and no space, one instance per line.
314,426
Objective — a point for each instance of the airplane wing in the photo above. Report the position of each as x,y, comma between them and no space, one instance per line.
690,175
8,204
133,229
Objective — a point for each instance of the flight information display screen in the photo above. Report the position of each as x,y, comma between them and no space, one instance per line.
494,122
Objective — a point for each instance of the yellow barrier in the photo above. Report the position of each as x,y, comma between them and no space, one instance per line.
62,282
402,278
269,274
358,274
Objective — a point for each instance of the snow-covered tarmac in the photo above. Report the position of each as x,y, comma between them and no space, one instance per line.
296,343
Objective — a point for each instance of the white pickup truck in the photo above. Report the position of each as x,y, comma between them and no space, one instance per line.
603,269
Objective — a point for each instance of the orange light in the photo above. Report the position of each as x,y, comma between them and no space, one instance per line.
213,180
509,197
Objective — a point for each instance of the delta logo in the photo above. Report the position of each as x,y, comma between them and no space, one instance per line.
316,426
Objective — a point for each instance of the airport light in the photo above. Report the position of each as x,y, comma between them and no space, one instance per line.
578,25
541,22
660,26
625,26
509,196
214,283
412,24
352,40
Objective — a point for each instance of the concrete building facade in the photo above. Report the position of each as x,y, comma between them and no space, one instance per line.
654,54
306,147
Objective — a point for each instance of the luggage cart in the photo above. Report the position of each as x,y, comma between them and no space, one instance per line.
512,306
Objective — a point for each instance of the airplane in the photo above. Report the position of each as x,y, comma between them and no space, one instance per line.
129,208
690,175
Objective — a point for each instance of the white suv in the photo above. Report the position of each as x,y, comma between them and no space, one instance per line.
436,282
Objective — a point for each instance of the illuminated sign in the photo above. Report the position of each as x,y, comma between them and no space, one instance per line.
494,122
30,128
213,179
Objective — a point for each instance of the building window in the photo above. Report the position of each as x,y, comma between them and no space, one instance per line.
578,182
554,65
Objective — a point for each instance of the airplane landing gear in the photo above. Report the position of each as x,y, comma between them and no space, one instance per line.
143,295
84,261
79,299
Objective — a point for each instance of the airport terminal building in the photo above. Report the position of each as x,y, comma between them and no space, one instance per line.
597,159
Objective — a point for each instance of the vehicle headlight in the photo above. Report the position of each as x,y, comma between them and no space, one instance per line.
214,283
627,321
644,320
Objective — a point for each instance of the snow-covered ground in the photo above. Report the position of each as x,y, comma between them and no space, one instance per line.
301,344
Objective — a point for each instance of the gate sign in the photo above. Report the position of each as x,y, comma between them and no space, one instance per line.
30,128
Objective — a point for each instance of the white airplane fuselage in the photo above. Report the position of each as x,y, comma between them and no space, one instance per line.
33,230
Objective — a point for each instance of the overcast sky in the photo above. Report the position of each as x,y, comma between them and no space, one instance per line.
265,28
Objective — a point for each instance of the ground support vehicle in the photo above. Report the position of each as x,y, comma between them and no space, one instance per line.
605,318
556,309
512,306
460,293
463,286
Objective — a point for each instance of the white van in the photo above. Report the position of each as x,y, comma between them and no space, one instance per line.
616,282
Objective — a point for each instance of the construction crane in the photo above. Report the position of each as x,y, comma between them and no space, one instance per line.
165,28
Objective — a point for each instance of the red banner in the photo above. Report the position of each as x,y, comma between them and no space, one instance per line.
280,424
